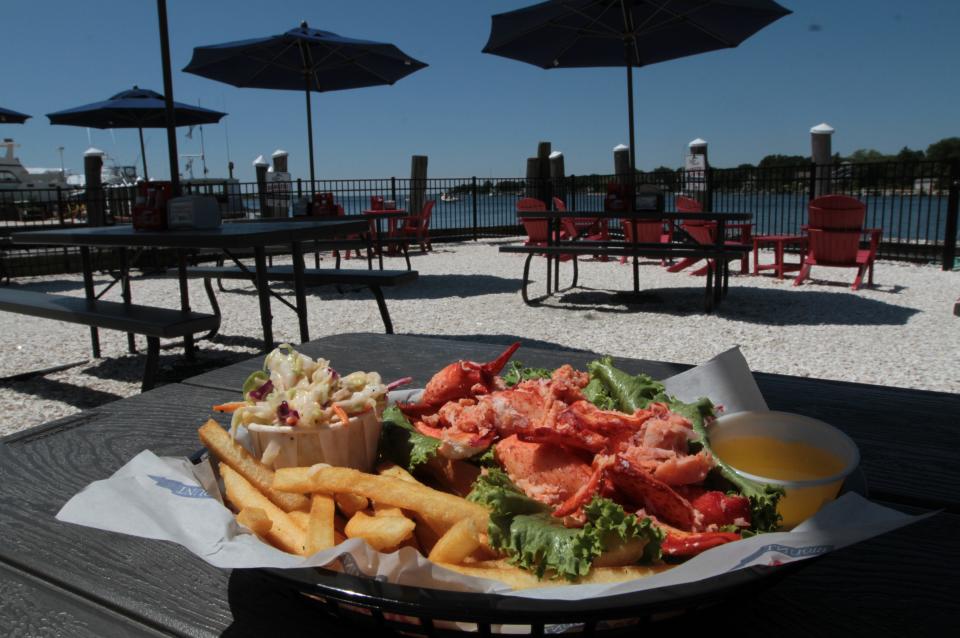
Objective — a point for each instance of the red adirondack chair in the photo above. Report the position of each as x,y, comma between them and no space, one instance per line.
835,230
590,228
705,232
416,227
537,229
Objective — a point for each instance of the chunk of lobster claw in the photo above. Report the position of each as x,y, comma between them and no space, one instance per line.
657,497
681,544
459,380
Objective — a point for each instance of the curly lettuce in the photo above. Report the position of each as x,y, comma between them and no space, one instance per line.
517,372
535,540
400,442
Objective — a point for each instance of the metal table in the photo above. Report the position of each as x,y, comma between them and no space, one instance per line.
61,579
257,235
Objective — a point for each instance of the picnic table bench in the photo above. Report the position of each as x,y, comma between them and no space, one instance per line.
154,323
375,280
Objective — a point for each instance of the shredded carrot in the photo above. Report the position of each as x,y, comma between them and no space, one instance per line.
340,412
230,407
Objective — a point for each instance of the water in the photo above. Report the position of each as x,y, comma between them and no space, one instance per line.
903,218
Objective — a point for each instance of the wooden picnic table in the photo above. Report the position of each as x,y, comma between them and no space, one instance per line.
717,274
62,579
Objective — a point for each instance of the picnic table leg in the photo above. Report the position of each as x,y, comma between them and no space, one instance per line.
126,295
376,226
708,294
265,318
298,286
188,348
91,296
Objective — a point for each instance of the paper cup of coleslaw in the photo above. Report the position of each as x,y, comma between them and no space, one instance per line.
352,444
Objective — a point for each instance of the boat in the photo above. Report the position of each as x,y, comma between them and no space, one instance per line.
14,176
447,197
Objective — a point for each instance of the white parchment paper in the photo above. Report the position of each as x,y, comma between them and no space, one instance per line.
164,498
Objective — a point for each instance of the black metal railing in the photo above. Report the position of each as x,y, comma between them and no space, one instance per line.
915,203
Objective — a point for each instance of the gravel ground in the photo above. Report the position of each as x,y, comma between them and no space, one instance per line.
900,333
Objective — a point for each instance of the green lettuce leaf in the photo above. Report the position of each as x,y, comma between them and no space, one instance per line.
537,541
400,442
596,393
629,392
517,372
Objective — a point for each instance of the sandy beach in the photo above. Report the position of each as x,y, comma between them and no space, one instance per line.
901,332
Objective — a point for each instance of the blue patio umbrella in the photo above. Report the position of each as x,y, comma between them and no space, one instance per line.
12,117
625,33
136,108
303,59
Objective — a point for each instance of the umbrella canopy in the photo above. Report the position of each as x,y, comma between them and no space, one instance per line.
625,33
303,59
12,117
137,108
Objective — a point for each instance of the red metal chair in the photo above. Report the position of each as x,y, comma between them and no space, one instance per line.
835,230
416,227
589,228
705,232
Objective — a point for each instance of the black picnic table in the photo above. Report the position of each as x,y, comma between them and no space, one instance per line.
717,273
256,235
62,579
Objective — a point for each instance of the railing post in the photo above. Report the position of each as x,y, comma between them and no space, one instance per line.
953,205
299,188
707,189
393,188
572,189
60,204
473,189
812,184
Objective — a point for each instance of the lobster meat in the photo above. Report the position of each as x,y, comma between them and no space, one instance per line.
562,450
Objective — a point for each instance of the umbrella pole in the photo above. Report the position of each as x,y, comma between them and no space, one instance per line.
171,120
633,157
310,133
143,156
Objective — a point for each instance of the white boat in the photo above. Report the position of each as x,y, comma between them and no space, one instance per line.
447,197
15,176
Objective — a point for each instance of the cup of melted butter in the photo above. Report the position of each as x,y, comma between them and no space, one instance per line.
809,458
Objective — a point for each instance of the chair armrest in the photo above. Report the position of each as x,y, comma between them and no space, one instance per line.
875,235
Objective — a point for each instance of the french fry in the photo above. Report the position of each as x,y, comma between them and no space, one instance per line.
624,554
383,533
300,519
231,453
350,504
320,530
395,471
439,510
284,533
460,541
256,520
388,511
520,579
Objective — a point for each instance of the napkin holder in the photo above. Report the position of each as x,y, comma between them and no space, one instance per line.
193,212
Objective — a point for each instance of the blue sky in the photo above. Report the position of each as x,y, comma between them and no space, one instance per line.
881,72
